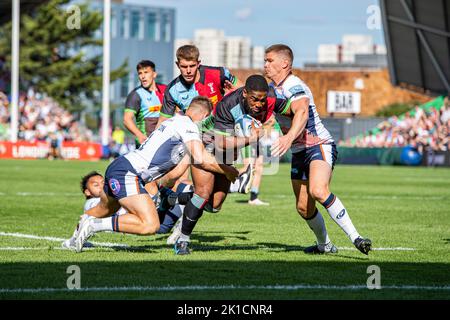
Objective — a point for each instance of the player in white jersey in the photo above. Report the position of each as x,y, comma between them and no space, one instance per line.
125,177
313,152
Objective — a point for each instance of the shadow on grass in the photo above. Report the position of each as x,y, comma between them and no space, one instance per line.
187,272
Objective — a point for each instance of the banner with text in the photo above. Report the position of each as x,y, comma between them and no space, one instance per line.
41,150
343,102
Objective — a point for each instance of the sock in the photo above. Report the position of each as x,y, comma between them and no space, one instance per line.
184,237
254,193
234,187
192,212
170,219
106,224
182,198
317,225
339,214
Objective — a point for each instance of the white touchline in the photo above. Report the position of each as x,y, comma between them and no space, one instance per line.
109,244
228,287
31,236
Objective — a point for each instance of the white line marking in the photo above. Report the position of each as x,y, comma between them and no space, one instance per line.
40,194
380,249
109,244
229,287
30,236
375,197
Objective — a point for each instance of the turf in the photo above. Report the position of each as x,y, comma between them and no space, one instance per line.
242,246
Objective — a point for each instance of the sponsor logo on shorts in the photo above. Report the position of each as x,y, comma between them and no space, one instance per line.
295,171
341,214
114,185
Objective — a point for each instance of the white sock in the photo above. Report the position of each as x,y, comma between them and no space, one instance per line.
184,237
104,224
234,187
317,225
340,215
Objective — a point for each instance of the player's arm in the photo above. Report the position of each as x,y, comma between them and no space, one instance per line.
128,122
206,161
132,106
229,81
299,108
226,141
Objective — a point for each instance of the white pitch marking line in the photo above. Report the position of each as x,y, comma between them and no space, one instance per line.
109,244
230,287
30,236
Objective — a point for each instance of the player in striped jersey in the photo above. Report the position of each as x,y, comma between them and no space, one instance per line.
125,177
313,152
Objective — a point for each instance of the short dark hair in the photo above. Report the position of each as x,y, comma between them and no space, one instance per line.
283,49
256,82
85,179
188,52
144,64
201,102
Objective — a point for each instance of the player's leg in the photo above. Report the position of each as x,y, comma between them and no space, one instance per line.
254,191
306,207
219,193
203,186
319,181
141,219
244,181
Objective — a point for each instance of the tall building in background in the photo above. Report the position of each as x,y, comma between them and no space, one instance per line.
257,61
139,32
355,51
211,44
216,49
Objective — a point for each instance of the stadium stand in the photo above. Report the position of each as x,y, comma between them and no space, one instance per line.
41,119
426,127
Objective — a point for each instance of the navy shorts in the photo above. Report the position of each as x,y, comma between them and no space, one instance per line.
121,180
301,160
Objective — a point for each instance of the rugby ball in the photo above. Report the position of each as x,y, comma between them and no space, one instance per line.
243,125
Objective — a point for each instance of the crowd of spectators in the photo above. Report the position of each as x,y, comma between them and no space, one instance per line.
422,130
41,119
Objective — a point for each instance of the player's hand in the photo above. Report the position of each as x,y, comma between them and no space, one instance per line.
142,137
281,146
256,133
231,173
228,86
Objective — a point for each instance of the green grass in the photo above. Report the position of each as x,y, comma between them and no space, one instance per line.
241,246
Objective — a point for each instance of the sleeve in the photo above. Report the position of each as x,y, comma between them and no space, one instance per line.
223,121
189,131
226,76
169,105
294,90
133,103
90,203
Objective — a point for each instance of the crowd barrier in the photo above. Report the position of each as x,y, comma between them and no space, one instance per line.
40,150
380,156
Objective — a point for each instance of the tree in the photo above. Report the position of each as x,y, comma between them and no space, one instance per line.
53,56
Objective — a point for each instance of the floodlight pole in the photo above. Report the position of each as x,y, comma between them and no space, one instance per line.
106,70
15,70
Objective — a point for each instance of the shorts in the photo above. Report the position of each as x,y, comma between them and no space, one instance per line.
121,180
301,160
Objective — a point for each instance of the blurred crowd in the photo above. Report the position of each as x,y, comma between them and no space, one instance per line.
422,130
41,119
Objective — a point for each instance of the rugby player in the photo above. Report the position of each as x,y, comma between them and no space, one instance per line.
313,152
91,186
144,103
159,154
211,189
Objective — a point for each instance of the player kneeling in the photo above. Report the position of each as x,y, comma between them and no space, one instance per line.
125,177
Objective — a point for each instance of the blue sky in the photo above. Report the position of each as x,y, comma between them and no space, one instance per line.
301,24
